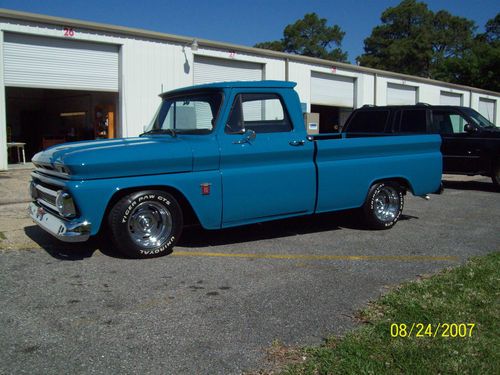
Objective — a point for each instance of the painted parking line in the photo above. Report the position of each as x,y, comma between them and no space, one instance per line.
396,258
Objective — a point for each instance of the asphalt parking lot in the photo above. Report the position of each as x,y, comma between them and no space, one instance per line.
220,300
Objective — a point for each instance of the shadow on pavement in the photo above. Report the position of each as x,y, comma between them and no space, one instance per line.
70,251
199,237
470,185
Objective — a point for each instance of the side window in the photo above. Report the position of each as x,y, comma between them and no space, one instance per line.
413,121
235,121
458,123
448,122
367,122
263,113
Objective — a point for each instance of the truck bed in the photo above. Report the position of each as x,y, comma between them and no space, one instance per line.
347,167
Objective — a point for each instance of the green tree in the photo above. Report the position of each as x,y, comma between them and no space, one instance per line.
275,45
414,40
478,63
493,29
452,38
310,36
486,51
402,43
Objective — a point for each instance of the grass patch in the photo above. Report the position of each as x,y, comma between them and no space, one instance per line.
2,236
466,294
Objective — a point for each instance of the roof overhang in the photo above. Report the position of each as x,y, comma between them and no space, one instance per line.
121,30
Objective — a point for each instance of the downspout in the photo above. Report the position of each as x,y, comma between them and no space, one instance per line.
375,88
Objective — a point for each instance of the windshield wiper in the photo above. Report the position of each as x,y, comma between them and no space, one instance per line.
160,131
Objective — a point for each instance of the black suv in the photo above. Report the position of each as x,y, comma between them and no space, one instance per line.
470,143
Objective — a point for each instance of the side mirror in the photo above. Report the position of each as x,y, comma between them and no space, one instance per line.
248,136
469,128
230,130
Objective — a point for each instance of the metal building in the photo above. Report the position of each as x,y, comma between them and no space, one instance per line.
64,80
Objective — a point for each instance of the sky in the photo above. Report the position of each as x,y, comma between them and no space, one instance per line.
244,22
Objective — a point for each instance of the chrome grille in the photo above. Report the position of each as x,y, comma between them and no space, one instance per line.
49,170
46,196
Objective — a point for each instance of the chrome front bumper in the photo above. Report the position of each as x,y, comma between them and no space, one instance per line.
67,231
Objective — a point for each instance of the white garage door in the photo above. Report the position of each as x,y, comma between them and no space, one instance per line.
210,69
449,98
332,90
40,62
487,108
401,94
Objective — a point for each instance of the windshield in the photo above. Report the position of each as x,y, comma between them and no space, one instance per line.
187,114
478,118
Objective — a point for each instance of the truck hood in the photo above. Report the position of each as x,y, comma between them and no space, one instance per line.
118,157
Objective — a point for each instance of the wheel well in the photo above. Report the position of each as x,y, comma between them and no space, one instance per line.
402,182
189,216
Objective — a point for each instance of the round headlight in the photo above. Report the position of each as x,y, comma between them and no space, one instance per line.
65,204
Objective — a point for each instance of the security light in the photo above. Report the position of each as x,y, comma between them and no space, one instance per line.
194,45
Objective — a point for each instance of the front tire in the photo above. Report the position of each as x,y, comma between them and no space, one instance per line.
146,224
383,205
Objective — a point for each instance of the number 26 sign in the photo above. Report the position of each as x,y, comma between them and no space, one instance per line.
69,32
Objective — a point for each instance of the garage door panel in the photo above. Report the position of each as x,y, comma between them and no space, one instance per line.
449,98
332,90
487,108
33,61
401,94
210,69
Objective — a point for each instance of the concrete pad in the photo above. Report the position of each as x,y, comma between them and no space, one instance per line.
14,185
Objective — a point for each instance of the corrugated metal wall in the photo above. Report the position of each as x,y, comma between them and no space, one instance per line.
142,67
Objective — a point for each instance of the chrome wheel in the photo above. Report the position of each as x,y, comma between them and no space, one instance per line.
495,177
386,203
149,224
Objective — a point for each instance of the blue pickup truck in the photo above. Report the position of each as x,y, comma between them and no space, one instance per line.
223,154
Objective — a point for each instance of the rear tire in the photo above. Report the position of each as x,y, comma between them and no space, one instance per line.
383,205
146,224
495,175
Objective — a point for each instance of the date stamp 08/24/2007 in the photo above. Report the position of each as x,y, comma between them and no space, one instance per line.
422,330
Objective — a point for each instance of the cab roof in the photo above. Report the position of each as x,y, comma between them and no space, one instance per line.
235,84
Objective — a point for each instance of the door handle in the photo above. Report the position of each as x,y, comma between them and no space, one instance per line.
297,143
